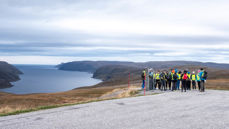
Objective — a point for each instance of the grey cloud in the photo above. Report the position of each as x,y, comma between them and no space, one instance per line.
23,24
49,35
178,39
48,8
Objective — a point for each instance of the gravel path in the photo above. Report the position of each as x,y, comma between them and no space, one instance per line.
170,110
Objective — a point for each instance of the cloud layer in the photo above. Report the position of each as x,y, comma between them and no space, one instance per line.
54,31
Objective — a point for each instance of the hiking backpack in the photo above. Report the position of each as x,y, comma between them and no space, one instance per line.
185,76
169,76
143,75
205,75
175,77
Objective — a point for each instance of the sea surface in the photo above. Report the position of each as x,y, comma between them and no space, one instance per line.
48,79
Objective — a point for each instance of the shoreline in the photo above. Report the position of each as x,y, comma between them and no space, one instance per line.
223,84
60,81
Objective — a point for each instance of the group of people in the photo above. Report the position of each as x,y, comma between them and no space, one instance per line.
174,80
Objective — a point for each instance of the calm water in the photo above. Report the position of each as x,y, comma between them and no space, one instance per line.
47,79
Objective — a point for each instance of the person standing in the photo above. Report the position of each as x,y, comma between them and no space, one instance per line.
184,80
151,83
203,78
163,81
174,80
170,79
178,80
154,80
198,79
193,78
166,80
158,81
188,81
143,78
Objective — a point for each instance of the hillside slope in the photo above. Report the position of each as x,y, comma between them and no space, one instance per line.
8,73
89,66
115,73
92,66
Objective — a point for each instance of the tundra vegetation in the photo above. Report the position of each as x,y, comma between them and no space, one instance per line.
114,85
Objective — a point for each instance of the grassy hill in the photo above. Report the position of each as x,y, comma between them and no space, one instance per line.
92,66
116,73
8,73
115,77
89,66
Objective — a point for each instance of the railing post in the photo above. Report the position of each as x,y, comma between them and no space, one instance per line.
129,81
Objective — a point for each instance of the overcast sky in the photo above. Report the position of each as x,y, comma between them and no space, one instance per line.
55,31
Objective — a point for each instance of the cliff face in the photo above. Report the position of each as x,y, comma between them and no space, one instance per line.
8,73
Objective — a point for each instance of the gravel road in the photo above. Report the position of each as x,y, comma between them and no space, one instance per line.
170,110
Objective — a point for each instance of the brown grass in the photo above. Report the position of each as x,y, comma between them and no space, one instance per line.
13,102
121,92
218,84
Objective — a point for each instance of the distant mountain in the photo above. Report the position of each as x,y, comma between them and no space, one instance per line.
8,73
92,66
114,72
110,72
89,66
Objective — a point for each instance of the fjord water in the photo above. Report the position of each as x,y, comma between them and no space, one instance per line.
48,79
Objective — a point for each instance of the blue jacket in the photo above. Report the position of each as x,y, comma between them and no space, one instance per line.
151,74
200,75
